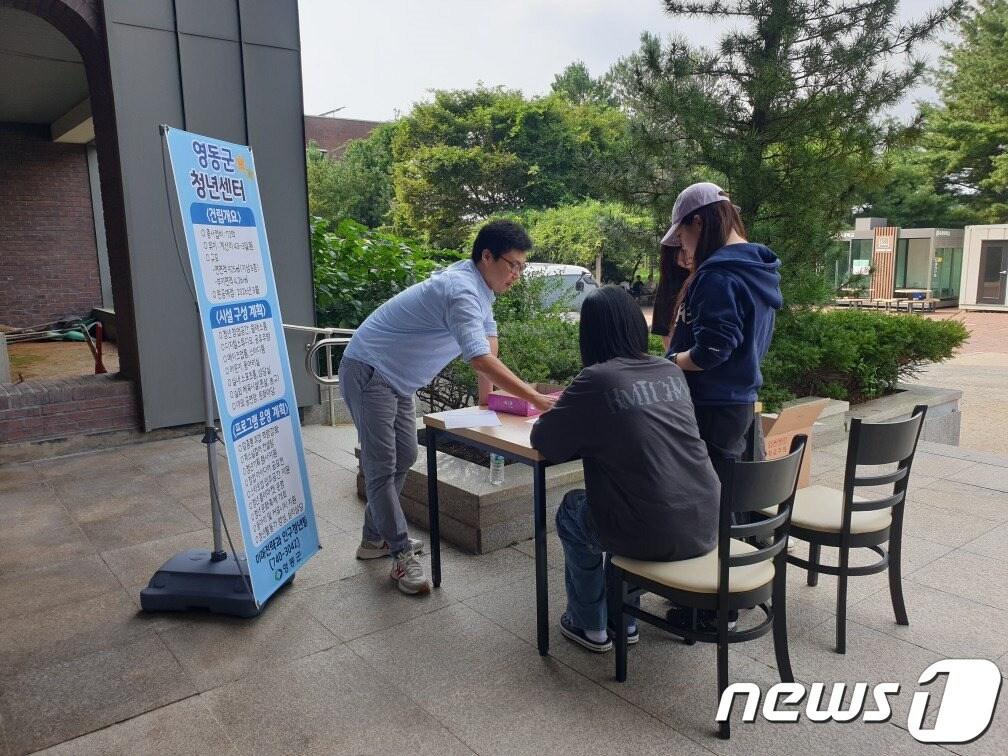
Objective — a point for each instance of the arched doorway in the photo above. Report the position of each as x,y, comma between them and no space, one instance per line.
62,229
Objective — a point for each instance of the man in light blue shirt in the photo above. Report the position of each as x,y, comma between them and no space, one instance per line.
399,348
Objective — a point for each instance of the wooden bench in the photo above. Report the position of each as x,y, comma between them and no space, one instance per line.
849,302
887,304
920,305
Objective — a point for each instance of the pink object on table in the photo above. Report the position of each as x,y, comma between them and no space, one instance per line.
501,401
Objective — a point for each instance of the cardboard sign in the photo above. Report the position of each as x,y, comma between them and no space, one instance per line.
780,429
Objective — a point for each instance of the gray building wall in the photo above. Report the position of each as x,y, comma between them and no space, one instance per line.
229,69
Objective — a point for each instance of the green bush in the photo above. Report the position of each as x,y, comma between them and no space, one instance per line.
851,354
356,269
655,345
537,351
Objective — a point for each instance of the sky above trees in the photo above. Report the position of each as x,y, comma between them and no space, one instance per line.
376,59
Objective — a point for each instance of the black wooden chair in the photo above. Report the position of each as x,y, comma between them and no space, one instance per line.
844,520
736,575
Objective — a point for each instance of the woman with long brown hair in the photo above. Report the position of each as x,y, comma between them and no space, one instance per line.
725,315
723,323
670,280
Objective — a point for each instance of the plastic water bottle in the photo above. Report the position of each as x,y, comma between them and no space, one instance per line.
496,469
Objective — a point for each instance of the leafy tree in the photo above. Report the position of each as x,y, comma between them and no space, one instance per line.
784,112
590,233
359,184
909,192
470,154
322,183
356,269
968,134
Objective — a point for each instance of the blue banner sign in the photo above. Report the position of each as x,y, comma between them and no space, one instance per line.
240,316
222,316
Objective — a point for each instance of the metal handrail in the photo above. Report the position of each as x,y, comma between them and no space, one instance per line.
320,331
325,338
329,379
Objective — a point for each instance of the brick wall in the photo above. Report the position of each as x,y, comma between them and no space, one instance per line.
48,258
65,407
332,134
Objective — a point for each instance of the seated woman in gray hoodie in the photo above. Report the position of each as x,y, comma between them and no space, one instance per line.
650,491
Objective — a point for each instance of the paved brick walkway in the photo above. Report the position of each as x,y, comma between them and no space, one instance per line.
988,330
980,371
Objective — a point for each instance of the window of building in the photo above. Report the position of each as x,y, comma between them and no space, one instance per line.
860,257
913,264
948,272
901,258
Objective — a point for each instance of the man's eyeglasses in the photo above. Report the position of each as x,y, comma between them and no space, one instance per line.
516,267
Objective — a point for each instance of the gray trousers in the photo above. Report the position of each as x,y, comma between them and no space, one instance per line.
386,431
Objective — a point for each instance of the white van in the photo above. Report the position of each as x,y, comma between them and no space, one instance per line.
571,283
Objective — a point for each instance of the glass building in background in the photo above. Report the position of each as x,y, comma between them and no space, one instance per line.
887,262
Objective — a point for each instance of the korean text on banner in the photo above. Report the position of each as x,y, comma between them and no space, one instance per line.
240,317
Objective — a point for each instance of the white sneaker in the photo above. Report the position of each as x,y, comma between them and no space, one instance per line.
408,573
375,549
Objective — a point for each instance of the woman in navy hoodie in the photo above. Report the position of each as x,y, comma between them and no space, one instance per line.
725,315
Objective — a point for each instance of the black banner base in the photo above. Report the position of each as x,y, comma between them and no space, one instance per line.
192,581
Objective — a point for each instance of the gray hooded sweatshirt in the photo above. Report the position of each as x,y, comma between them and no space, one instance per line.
652,493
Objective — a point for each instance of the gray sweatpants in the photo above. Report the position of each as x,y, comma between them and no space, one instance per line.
386,431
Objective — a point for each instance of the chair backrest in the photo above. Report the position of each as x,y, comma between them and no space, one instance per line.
752,486
887,443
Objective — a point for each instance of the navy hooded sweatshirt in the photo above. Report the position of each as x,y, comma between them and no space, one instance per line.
727,322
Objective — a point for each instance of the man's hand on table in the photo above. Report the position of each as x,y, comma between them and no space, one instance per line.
496,373
543,402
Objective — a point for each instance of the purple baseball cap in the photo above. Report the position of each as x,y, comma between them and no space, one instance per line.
691,199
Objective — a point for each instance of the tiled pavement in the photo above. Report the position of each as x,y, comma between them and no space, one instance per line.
988,330
343,663
979,370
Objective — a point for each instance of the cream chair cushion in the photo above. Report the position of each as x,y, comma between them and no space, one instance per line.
821,508
700,574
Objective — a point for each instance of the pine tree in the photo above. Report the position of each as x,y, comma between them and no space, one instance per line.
787,111
576,85
967,136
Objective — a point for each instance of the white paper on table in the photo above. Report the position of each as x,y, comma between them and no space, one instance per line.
470,418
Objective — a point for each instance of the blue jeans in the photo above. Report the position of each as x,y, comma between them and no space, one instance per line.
590,589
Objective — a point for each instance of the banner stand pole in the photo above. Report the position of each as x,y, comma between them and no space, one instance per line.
199,579
210,439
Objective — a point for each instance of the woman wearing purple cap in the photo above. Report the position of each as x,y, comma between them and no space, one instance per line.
724,315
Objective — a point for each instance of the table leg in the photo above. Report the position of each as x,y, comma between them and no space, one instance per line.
432,507
542,596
